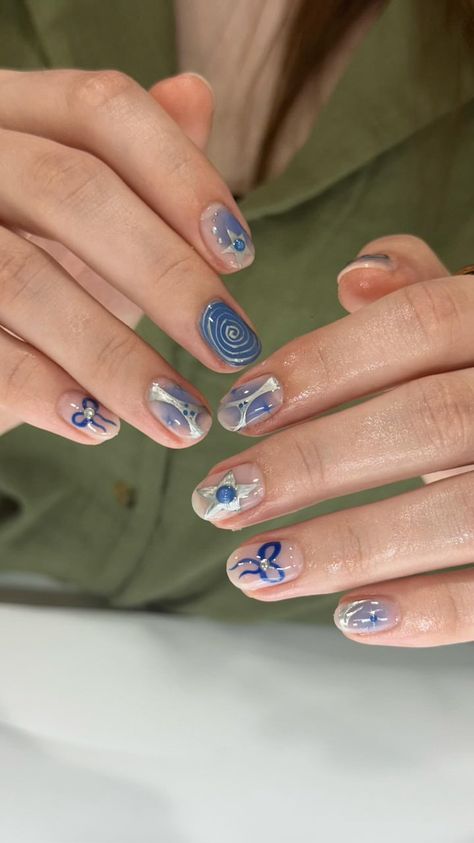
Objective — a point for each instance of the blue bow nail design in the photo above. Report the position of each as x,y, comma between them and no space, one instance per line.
88,415
266,555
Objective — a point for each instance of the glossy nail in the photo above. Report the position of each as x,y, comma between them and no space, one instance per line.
367,616
88,415
250,403
260,565
228,335
229,493
224,235
178,410
376,261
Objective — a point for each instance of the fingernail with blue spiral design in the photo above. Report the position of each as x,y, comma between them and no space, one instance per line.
87,415
255,566
224,235
228,335
364,617
252,402
178,410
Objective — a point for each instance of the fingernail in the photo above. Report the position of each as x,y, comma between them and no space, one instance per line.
228,335
377,261
260,565
367,616
229,493
224,235
178,410
88,415
251,402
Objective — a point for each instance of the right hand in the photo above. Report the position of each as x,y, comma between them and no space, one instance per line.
102,192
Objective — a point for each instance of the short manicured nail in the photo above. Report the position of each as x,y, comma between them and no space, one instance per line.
376,261
260,565
225,237
178,410
229,493
250,403
88,415
228,335
367,616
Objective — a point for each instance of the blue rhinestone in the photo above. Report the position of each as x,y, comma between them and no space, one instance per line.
239,244
373,617
226,494
185,412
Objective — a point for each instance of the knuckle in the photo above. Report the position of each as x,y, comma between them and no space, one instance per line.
65,176
443,411
175,273
432,313
17,377
350,558
307,464
93,90
21,273
114,355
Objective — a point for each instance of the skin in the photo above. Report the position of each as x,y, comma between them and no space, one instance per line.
409,343
102,188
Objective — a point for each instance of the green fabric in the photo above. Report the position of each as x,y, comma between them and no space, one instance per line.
385,156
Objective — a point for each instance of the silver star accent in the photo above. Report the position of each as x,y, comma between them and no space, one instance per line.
270,385
216,509
157,393
239,256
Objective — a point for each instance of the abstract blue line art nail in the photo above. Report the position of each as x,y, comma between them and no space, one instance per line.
228,335
251,402
226,237
367,615
178,410
260,565
87,414
229,493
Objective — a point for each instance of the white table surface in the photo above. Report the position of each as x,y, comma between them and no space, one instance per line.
129,728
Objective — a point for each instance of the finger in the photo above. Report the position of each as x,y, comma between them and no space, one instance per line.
41,394
189,100
416,612
423,426
385,265
46,308
70,196
420,329
109,115
413,533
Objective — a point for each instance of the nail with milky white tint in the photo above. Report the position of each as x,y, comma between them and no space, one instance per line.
375,261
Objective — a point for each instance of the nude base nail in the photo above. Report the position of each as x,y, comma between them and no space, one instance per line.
264,564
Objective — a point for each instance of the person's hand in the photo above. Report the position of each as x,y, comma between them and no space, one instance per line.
413,343
109,208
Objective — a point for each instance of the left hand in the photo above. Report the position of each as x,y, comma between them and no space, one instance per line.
414,345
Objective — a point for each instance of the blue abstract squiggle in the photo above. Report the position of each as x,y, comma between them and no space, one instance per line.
228,334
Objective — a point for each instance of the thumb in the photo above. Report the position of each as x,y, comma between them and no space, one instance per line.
189,100
386,265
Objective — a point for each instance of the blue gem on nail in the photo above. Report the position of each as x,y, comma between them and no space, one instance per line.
265,566
89,414
239,244
226,496
228,335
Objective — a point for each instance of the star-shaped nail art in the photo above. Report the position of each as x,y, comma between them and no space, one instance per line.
227,497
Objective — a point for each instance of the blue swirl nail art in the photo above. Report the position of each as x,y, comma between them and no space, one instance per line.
228,335
265,561
88,415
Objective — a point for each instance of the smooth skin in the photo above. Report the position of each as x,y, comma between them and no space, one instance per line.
409,343
102,185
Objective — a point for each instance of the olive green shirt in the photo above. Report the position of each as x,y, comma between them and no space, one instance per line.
392,152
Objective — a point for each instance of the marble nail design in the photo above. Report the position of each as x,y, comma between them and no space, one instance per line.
375,261
260,565
225,236
178,410
228,493
87,414
228,335
251,402
367,616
